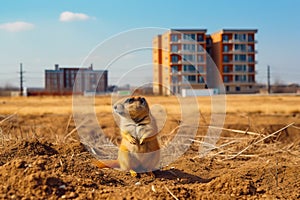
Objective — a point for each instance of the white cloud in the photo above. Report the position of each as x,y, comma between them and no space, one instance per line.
16,26
70,16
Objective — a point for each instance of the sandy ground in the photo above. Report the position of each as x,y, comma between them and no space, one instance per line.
41,156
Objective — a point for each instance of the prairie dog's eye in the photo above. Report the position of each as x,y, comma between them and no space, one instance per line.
143,101
130,100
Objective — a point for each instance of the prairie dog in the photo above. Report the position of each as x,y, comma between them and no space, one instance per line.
139,148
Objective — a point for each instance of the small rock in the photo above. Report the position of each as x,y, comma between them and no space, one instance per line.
153,188
137,183
62,186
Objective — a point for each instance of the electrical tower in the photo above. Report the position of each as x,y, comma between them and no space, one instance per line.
268,85
21,79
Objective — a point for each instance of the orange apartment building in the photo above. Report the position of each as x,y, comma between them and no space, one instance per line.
233,51
180,60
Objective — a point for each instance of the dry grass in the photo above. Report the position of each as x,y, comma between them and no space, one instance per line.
243,111
234,104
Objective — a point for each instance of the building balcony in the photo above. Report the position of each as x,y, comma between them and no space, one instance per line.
189,72
227,52
243,41
252,51
239,62
187,51
252,61
240,72
227,41
252,41
174,42
190,41
239,51
239,41
175,62
227,72
174,51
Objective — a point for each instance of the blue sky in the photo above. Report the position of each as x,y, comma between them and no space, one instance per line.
39,37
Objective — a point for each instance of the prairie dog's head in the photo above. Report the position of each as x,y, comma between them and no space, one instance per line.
135,108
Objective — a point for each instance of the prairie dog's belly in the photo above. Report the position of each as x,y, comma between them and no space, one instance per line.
139,157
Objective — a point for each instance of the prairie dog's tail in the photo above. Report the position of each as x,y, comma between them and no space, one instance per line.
106,163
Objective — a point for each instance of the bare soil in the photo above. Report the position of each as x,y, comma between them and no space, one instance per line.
38,161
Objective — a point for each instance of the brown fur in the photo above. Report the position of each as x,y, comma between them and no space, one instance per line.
139,148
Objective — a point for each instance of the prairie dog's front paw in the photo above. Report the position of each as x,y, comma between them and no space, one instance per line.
141,140
132,140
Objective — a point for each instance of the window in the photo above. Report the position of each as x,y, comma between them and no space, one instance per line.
250,69
174,69
200,48
174,48
189,58
250,48
174,38
250,59
200,69
226,79
250,38
55,82
251,78
225,38
188,47
200,58
240,47
188,36
174,59
189,78
200,38
225,59
237,88
240,57
240,78
208,41
189,68
174,79
227,88
225,48
240,37
240,68
201,79
226,69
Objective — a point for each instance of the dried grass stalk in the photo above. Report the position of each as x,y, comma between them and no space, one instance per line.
239,153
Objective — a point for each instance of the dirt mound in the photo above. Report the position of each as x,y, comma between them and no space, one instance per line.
39,170
40,162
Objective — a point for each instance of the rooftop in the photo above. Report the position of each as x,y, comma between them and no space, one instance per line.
236,31
188,30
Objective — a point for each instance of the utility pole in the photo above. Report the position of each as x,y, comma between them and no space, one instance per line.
269,86
21,80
